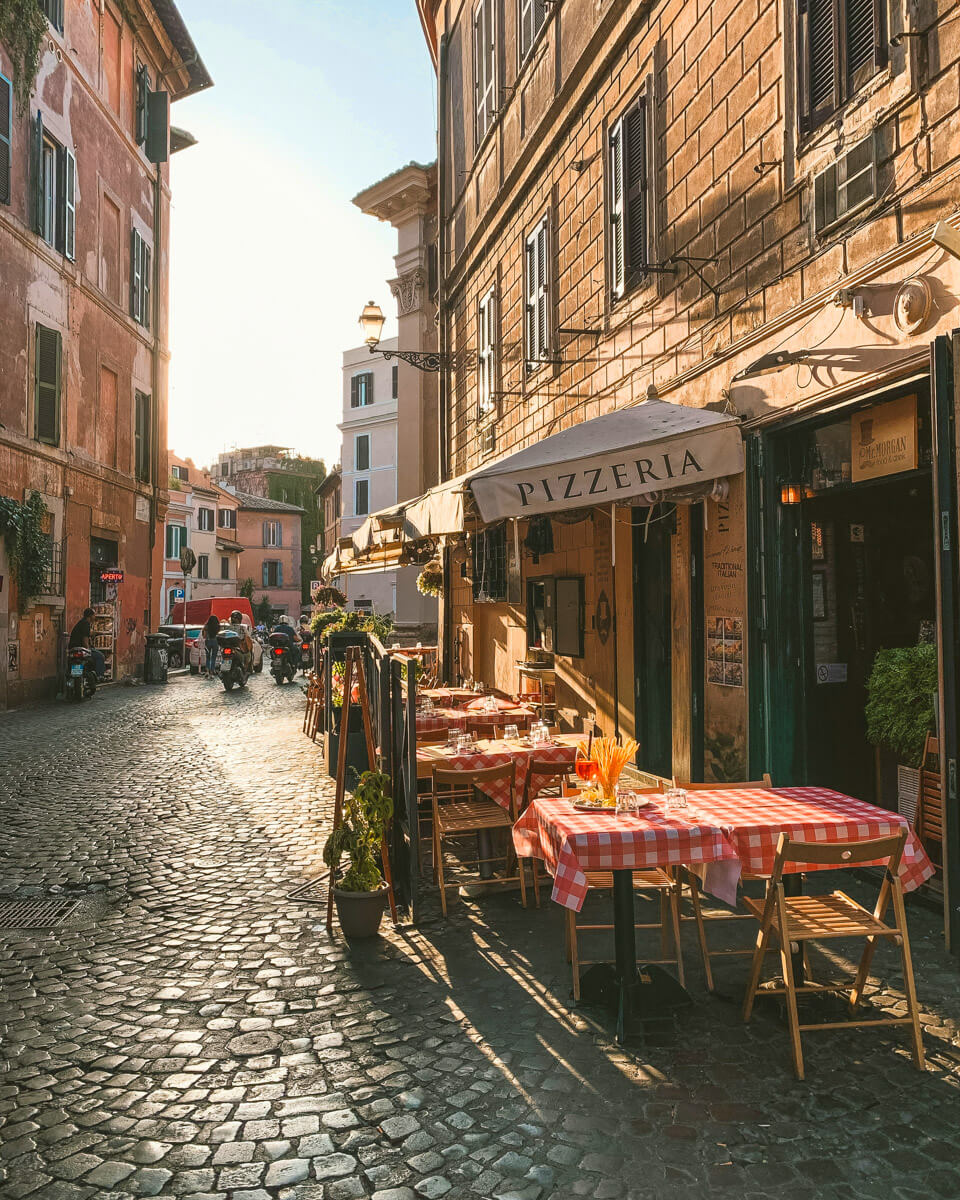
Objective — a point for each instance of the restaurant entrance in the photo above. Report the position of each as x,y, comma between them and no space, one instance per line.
652,639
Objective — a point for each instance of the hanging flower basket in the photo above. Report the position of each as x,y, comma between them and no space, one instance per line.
430,579
330,595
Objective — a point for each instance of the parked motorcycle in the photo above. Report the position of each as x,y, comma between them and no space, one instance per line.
306,657
282,661
235,662
81,674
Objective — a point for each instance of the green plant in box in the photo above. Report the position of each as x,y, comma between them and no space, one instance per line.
900,707
365,816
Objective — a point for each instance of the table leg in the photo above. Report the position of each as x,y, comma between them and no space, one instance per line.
626,949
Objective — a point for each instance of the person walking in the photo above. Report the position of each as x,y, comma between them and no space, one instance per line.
210,645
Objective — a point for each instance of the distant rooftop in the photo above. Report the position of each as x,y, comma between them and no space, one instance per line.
263,503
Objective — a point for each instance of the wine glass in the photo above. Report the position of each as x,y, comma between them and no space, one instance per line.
585,768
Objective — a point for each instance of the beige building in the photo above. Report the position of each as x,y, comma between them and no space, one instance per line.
661,226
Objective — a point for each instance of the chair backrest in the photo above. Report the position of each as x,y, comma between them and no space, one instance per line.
452,784
543,774
930,798
482,729
839,854
690,786
432,736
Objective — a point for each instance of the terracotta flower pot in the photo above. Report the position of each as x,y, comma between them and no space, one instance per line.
360,913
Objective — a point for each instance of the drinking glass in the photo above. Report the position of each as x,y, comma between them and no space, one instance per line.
511,733
585,768
624,799
675,801
453,736
464,743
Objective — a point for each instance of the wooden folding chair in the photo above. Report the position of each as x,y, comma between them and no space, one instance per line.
694,883
543,778
483,730
929,822
432,737
460,807
655,880
818,918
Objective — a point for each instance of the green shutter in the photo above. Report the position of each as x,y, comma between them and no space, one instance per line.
635,200
143,92
47,375
36,174
266,575
279,574
157,144
6,133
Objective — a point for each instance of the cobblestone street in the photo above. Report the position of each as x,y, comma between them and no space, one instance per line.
193,1032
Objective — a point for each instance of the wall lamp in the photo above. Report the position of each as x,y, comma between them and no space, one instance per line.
766,364
372,321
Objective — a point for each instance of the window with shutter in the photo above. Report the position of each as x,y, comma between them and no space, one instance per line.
842,47
265,576
537,323
395,383
487,353
361,498
533,16
142,433
6,135
53,10
629,200
139,279
47,376
362,452
484,67
224,566
203,566
143,95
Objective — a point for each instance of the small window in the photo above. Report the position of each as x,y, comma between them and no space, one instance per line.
143,427
140,280
203,566
490,564
394,382
224,566
47,372
361,457
6,134
629,205
842,45
53,11
361,497
205,519
54,172
228,518
533,16
272,533
180,473
484,67
846,185
272,574
361,390
487,353
176,540
537,308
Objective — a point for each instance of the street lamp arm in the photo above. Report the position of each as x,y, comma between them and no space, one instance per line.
423,360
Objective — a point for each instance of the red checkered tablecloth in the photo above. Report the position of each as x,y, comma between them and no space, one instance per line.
755,818
493,754
572,842
456,718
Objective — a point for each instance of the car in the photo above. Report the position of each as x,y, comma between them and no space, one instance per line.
198,654
175,655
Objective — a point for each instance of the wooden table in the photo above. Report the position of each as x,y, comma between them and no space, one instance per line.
563,749
456,718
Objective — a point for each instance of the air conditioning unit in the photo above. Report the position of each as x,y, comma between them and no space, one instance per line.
846,186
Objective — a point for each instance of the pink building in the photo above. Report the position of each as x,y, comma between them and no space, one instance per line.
268,532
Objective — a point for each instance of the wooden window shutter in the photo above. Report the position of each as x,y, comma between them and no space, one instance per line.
266,574
279,574
47,373
143,95
531,305
865,52
355,391
395,382
278,528
819,72
617,250
36,154
134,274
369,387
542,281
635,193
6,134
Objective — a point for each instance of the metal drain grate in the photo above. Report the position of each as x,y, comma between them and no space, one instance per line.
314,891
35,914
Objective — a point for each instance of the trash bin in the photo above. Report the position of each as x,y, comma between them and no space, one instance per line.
155,659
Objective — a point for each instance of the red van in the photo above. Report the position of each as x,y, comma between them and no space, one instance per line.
220,606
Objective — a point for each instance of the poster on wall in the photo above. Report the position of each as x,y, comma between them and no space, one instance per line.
13,657
725,651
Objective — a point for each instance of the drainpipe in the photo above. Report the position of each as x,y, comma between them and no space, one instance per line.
155,387
444,381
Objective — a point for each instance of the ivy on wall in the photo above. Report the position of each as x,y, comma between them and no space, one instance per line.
23,28
21,527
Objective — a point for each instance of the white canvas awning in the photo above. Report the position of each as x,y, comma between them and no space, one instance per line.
643,453
437,512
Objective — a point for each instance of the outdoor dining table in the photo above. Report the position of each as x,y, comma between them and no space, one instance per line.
562,748
454,696
722,833
443,717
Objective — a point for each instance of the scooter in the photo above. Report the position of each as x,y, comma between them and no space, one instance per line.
235,663
282,664
306,656
81,674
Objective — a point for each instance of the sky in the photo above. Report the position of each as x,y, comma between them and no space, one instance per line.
271,263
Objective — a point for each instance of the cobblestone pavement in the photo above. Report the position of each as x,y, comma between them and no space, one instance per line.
195,1033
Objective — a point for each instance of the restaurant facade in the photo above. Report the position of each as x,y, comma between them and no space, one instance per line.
697,308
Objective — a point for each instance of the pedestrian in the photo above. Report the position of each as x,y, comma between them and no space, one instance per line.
80,636
210,644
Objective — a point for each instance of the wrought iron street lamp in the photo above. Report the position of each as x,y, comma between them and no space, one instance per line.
372,322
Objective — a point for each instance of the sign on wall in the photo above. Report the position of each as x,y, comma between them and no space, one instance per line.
883,439
112,575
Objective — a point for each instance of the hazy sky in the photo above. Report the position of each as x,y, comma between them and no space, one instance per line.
271,263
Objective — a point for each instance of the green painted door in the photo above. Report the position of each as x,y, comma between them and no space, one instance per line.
653,690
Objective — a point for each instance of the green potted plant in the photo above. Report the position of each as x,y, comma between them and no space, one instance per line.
361,893
901,711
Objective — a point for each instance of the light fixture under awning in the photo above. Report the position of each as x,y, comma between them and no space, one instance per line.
646,451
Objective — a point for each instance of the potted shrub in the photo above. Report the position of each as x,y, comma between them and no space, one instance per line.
361,892
901,710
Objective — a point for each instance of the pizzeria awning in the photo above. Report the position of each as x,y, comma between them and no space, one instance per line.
643,453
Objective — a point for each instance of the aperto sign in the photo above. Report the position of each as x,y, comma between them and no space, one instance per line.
111,575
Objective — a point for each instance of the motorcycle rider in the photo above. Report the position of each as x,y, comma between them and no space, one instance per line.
210,645
80,636
246,645
286,627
